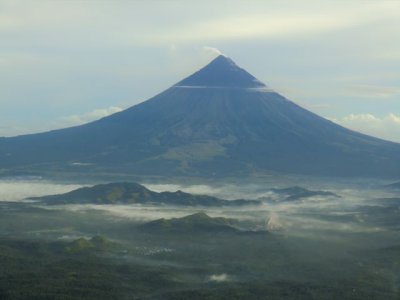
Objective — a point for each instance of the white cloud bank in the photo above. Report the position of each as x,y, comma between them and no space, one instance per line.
212,50
387,127
63,122
371,91
186,23
91,116
18,190
219,277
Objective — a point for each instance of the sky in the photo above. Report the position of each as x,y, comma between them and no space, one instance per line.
64,63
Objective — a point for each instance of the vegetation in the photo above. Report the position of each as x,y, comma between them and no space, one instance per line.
50,252
297,193
43,270
196,223
129,193
96,243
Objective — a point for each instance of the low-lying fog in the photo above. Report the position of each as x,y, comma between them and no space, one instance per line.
18,189
352,212
340,240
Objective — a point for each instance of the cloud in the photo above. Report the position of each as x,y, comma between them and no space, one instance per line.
282,24
17,190
219,277
91,116
212,50
10,130
118,24
274,223
67,121
133,49
373,91
387,127
305,218
388,55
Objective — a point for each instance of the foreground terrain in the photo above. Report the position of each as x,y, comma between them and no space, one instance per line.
343,245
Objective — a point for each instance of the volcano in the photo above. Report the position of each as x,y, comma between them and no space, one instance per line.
220,121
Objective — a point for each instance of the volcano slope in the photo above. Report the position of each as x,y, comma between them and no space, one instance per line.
220,121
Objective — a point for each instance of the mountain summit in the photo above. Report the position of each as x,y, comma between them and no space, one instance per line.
221,72
220,121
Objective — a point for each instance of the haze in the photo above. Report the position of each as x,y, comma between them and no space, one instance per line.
200,150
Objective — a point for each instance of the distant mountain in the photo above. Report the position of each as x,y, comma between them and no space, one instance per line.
297,193
129,193
196,223
220,121
394,186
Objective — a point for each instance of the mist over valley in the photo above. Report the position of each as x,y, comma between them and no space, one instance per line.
139,161
210,249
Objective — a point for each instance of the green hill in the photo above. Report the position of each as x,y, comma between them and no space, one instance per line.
296,193
130,193
195,223
96,243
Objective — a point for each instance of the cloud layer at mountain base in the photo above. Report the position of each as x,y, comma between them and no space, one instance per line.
386,127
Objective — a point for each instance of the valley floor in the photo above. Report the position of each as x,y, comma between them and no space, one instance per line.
324,249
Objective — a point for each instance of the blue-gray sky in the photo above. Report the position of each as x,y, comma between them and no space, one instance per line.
63,63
